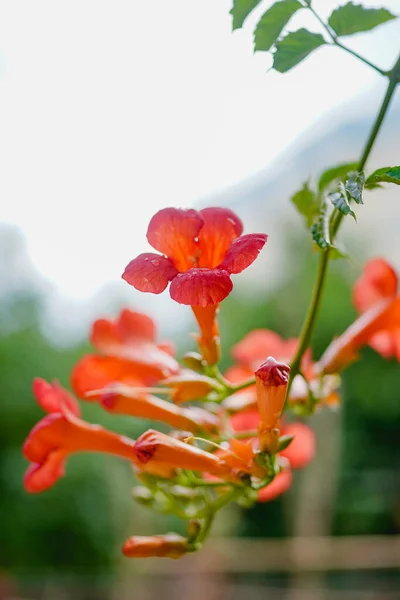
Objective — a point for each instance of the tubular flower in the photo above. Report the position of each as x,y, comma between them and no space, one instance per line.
62,433
200,250
272,379
375,296
122,399
168,546
129,354
164,449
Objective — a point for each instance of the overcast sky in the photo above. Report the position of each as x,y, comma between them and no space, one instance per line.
111,110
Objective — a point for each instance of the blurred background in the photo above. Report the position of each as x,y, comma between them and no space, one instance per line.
109,112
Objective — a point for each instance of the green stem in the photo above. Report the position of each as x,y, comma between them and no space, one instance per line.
308,327
309,322
241,386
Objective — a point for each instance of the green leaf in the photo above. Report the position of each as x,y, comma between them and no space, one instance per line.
340,201
270,26
384,175
306,202
284,442
355,186
353,18
241,10
294,48
320,229
335,173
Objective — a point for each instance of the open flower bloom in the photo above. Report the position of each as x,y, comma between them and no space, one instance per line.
375,296
62,433
126,400
170,545
200,250
129,354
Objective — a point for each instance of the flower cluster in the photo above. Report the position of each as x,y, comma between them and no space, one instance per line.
228,438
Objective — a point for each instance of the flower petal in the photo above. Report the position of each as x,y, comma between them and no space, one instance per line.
149,272
97,372
301,450
242,252
52,397
278,486
133,325
378,281
221,226
42,476
174,231
201,287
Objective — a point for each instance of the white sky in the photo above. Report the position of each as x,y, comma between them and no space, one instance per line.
111,110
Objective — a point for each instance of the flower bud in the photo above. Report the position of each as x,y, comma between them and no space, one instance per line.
170,545
271,384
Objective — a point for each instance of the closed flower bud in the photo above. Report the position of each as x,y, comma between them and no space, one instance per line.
271,384
170,545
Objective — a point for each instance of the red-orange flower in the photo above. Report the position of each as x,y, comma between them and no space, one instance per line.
278,486
129,354
164,449
200,251
272,379
379,282
170,545
376,297
62,433
122,399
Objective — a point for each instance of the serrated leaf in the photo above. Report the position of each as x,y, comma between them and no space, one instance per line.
294,48
270,26
320,229
353,18
355,186
306,202
335,173
340,201
241,10
384,175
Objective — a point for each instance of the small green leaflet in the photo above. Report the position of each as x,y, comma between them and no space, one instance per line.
294,48
306,203
384,175
320,229
270,26
355,186
241,10
335,173
353,18
340,200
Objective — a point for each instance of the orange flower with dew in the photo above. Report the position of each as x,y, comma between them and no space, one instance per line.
62,433
376,297
200,250
170,545
130,354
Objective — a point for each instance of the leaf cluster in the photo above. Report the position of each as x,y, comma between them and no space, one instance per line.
290,48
